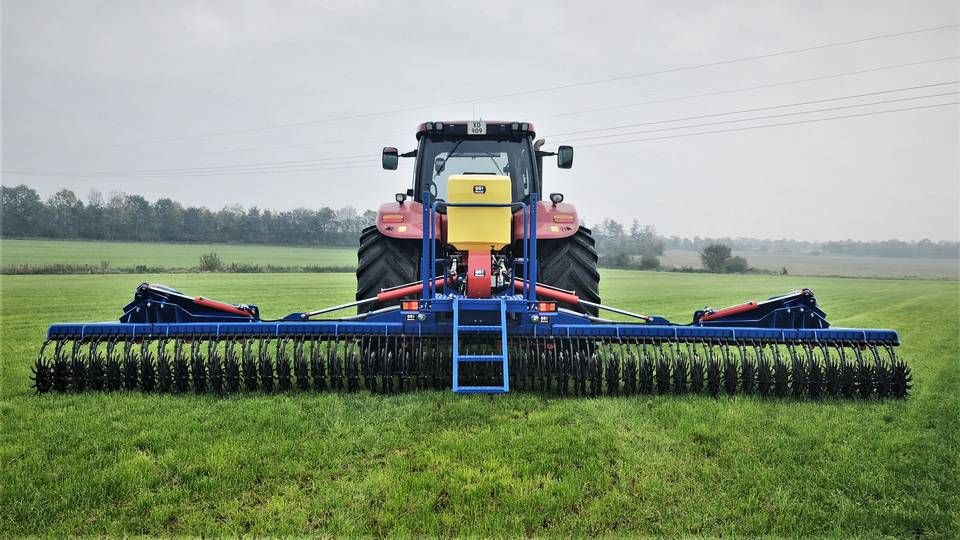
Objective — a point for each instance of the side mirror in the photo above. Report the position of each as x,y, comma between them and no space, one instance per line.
565,157
390,159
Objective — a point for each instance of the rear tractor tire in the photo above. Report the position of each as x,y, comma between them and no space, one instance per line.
571,264
382,263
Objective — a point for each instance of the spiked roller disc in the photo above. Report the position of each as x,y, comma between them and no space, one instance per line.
131,370
113,376
680,374
713,377
78,374
266,374
696,375
164,370
831,377
42,376
901,380
814,377
663,376
748,374
764,377
96,369
231,371
284,383
612,375
864,379
780,377
729,376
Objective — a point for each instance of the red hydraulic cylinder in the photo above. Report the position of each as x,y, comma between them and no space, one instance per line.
732,310
407,290
552,294
478,274
221,306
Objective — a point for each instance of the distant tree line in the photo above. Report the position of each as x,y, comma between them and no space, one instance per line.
620,247
613,239
121,216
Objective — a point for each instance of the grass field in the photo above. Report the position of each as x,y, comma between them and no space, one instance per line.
184,256
434,463
159,255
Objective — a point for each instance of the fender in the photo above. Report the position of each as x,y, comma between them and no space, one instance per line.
553,222
405,221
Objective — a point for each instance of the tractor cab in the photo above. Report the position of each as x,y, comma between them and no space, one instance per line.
454,149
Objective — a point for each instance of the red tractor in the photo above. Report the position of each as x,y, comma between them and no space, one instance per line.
389,254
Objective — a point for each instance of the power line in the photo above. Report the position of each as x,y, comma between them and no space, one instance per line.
765,117
544,89
600,109
608,143
748,88
264,170
747,128
623,126
184,175
362,159
288,146
341,160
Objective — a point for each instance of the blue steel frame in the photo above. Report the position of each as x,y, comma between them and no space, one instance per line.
392,323
428,263
519,311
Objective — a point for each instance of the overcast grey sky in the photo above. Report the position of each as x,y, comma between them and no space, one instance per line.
98,86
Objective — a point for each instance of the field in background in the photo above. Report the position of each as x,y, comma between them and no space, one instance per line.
154,255
437,464
833,265
186,256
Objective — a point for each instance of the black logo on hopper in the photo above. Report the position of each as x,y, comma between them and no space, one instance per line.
480,189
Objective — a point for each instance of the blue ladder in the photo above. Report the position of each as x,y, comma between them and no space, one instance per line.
502,357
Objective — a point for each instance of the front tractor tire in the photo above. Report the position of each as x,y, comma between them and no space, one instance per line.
382,263
571,264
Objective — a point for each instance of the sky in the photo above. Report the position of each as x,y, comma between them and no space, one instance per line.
282,104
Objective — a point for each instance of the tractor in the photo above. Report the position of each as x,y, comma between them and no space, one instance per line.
489,159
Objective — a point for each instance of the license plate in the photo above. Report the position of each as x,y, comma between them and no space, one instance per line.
476,128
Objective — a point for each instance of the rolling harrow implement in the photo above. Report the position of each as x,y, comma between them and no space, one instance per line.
574,367
448,296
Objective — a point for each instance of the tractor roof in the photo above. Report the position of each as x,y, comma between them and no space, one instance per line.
477,127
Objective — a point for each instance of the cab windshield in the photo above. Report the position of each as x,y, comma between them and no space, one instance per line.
441,158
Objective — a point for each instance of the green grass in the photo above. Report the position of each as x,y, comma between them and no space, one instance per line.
160,255
185,256
434,463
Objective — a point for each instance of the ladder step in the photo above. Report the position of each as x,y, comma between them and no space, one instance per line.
480,358
494,305
490,305
481,390
479,328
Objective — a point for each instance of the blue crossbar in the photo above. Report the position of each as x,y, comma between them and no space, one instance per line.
320,329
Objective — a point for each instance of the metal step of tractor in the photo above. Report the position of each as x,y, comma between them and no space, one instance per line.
480,358
480,305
